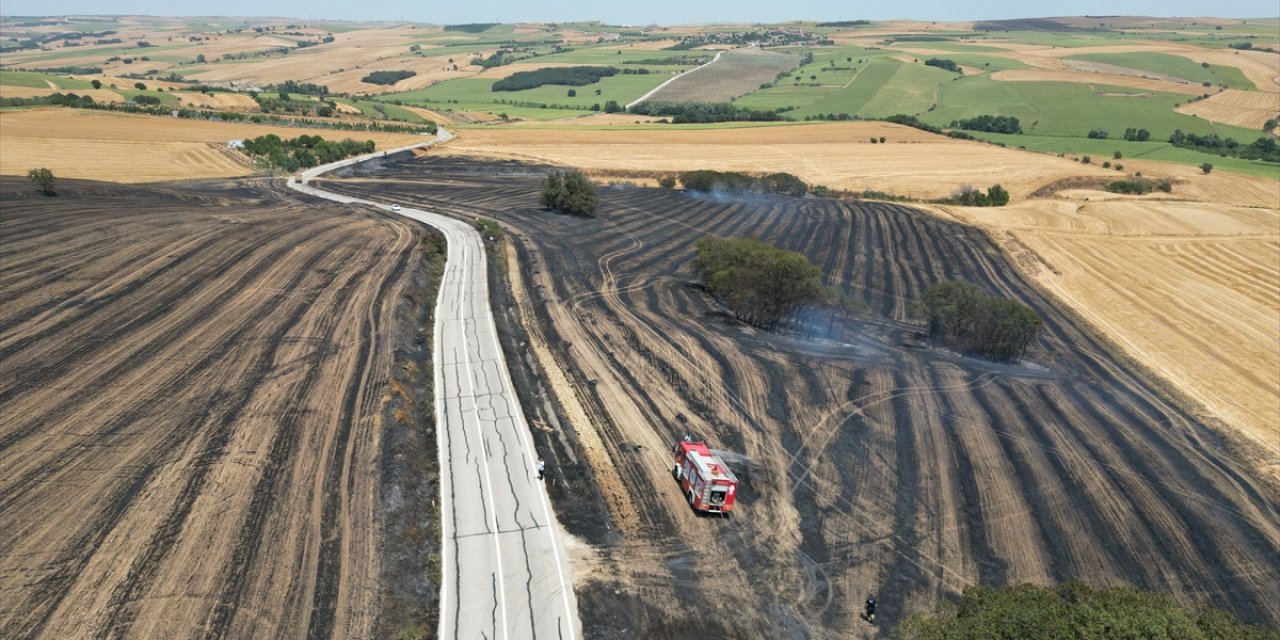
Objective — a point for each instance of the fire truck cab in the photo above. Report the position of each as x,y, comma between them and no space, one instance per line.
704,477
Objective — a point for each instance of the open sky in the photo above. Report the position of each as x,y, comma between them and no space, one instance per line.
638,13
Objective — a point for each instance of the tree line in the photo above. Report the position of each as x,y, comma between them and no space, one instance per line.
763,285
707,181
943,63
964,317
989,123
570,76
1266,148
696,112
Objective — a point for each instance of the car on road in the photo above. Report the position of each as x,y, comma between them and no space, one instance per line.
395,207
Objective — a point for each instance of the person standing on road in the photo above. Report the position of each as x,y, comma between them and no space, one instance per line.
542,466
871,609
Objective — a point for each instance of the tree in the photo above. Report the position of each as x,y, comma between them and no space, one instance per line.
97,84
1071,610
763,285
667,182
573,93
43,179
962,316
200,59
139,86
611,106
1206,168
568,192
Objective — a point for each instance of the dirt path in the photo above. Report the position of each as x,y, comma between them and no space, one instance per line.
190,436
868,466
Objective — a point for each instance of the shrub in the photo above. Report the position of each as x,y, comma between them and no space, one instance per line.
1098,134
1206,168
42,178
568,192
667,182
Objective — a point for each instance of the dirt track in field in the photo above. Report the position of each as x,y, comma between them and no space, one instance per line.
190,410
869,465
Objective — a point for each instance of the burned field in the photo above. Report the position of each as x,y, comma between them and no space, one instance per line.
870,464
192,400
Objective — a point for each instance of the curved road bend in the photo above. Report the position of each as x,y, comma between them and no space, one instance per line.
504,569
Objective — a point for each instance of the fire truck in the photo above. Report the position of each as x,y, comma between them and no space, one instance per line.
704,477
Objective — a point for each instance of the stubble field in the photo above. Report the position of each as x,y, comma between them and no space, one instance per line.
871,465
190,428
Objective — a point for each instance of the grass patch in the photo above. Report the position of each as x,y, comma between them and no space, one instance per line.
40,80
1152,150
1172,65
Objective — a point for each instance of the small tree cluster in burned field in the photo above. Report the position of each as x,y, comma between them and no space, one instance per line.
964,317
708,181
762,284
568,192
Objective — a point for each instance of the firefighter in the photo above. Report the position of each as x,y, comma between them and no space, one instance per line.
542,467
871,609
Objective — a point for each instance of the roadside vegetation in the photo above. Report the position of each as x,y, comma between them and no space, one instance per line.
1073,610
302,152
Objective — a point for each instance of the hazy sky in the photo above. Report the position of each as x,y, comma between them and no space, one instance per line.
638,12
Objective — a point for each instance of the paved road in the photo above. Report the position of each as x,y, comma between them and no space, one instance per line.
505,572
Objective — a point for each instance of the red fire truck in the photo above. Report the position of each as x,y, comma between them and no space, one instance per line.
704,477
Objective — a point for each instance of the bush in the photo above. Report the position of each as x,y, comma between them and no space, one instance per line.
963,317
943,64
1072,610
966,195
1206,168
42,178
1137,135
707,181
1098,134
568,192
667,182
763,285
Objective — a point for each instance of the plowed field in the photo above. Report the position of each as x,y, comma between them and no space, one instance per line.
189,410
870,463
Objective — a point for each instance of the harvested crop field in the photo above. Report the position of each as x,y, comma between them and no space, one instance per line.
1207,324
234,101
1091,78
733,73
836,155
101,145
190,410
870,463
1249,109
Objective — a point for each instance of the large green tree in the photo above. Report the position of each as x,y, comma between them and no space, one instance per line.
569,192
763,285
964,317
43,179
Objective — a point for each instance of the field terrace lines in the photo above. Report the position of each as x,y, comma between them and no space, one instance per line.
869,466
189,438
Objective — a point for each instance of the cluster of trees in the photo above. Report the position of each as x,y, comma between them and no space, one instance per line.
843,24
570,76
1140,186
304,88
1098,134
707,181
1072,610
990,124
388,77
967,195
497,59
471,27
763,285
569,192
942,63
963,317
304,151
1137,135
1266,149
693,112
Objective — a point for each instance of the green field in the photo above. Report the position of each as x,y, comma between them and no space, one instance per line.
1103,150
382,111
1062,109
1172,65
622,88
40,80
987,63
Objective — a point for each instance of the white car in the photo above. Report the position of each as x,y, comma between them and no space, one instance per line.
395,207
